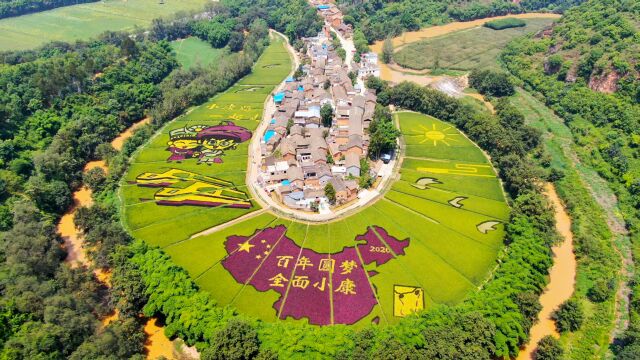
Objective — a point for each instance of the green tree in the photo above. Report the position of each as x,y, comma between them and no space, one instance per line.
600,291
493,83
236,41
94,178
549,348
238,340
387,51
326,114
569,316
330,193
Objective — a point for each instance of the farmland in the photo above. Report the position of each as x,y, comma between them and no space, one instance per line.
193,51
373,266
221,166
464,50
85,21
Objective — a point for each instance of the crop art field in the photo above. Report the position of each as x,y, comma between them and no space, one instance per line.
85,21
190,176
432,238
465,49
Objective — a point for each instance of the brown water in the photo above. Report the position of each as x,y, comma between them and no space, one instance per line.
72,238
157,343
118,142
433,31
561,278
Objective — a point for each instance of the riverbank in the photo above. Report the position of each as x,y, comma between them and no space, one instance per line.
156,344
562,276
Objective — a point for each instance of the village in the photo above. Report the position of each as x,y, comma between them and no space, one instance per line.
318,133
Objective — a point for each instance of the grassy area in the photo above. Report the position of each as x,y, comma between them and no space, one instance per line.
446,256
84,21
465,50
193,51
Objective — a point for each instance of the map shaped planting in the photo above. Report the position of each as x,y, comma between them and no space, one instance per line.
324,288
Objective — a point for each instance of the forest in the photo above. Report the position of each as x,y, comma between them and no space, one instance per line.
9,8
586,72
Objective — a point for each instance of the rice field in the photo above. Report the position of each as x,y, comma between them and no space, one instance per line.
464,50
432,239
84,21
192,51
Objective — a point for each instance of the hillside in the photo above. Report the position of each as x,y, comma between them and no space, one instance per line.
595,44
587,71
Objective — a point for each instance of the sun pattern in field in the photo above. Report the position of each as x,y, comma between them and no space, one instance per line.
446,135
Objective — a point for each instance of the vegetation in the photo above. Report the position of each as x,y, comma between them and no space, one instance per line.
506,23
491,83
531,226
49,308
330,193
381,19
593,245
10,8
86,21
383,134
475,48
583,71
61,106
387,51
549,348
195,52
569,316
326,113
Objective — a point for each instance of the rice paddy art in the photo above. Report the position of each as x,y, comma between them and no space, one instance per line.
407,300
325,288
180,187
204,142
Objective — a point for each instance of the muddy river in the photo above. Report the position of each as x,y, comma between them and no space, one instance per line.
561,278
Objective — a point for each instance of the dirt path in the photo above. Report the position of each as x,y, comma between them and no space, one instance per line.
561,277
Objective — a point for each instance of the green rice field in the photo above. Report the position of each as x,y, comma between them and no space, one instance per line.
464,50
84,21
432,239
193,51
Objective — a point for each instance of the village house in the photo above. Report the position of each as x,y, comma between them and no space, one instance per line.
300,156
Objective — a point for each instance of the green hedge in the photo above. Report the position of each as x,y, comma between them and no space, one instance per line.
507,23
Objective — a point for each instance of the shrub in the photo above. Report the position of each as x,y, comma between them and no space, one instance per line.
549,348
569,316
507,23
493,83
600,291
